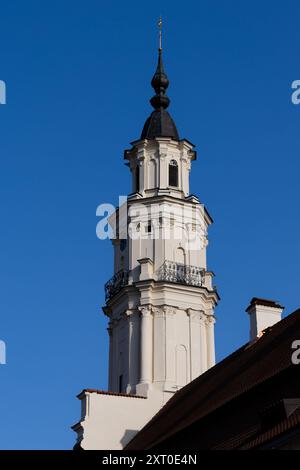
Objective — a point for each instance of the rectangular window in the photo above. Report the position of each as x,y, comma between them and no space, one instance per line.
173,173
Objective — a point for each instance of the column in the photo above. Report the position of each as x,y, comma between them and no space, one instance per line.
110,365
163,170
133,350
211,359
143,174
203,342
146,344
115,357
195,343
159,339
170,366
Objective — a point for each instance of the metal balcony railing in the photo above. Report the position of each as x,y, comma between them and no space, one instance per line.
115,284
182,274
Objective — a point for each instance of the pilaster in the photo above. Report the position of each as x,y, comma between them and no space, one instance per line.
210,326
146,349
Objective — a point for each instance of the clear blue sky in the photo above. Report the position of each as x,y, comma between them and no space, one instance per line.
78,83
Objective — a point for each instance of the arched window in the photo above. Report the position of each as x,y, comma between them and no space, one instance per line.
137,178
180,255
173,173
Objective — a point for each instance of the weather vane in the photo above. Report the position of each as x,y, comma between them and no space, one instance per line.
160,32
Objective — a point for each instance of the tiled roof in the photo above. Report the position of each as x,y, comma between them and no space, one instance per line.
243,372
281,428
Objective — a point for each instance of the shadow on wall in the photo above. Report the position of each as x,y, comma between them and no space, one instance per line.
128,435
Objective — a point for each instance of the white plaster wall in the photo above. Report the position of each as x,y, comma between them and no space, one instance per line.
120,354
171,221
153,158
178,343
161,333
110,422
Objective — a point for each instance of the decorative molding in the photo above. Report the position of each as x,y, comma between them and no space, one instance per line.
145,310
163,155
157,311
140,156
202,316
161,310
195,315
131,314
169,311
210,319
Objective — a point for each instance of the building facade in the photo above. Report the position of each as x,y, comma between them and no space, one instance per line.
161,300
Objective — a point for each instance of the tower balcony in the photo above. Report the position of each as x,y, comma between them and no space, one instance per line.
115,284
180,273
170,271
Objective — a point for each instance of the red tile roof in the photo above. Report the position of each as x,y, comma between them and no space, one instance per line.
275,432
242,373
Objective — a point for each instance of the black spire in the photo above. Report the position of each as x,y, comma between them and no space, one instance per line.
160,123
160,83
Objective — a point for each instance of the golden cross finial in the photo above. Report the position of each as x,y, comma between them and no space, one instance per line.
160,32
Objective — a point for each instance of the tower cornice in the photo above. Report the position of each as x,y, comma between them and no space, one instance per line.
146,143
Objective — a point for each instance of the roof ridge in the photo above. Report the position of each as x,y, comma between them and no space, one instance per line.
107,392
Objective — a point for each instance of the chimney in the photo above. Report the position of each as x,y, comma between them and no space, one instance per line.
263,314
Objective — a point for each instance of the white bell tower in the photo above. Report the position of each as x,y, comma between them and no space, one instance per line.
160,301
